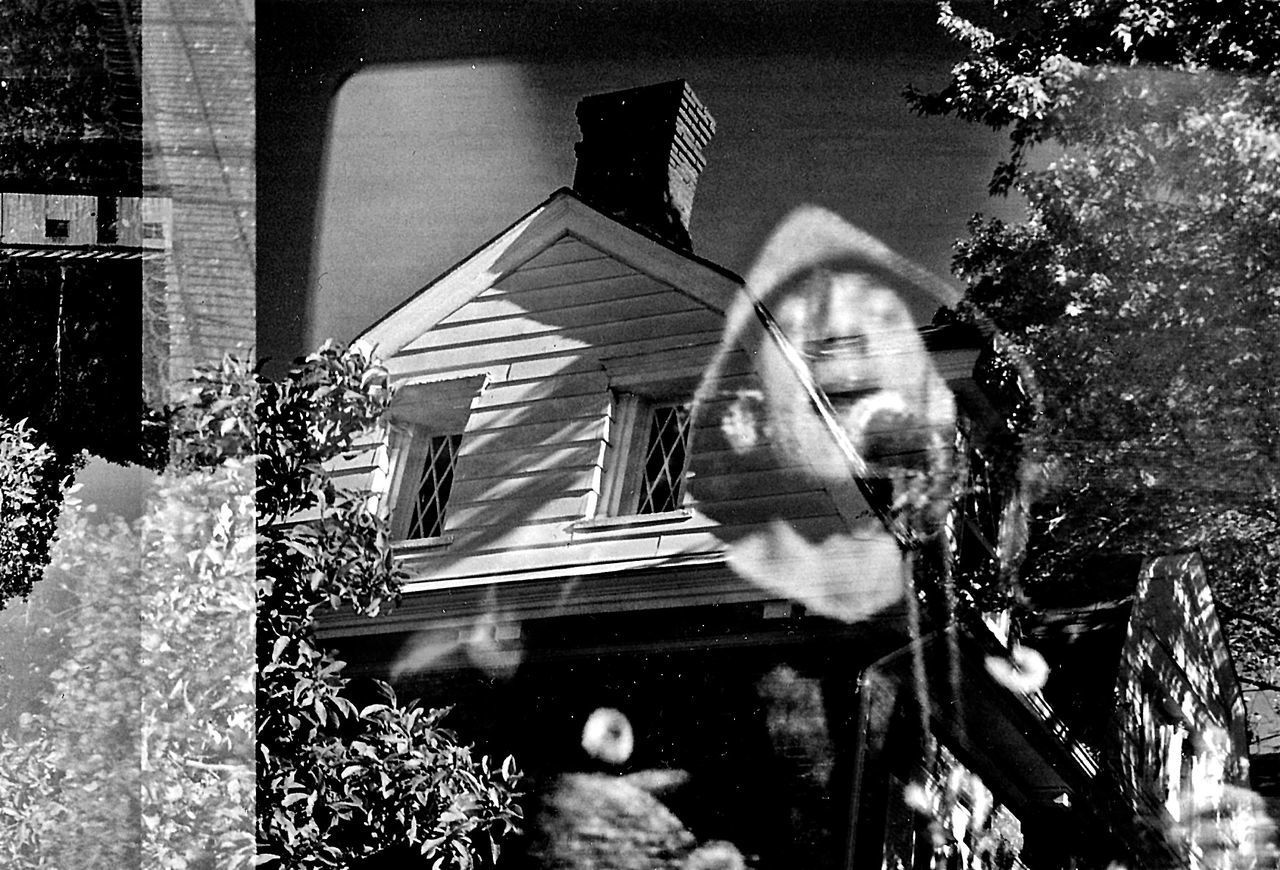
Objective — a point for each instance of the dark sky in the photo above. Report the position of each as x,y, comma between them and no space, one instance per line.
425,161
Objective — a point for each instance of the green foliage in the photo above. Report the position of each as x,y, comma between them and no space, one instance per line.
336,782
33,479
1144,285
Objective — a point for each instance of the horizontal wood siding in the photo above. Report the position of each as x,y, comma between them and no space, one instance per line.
538,508
582,429
511,392
546,299
535,276
539,457
566,250
554,336
545,357
546,409
545,547
539,338
538,484
363,468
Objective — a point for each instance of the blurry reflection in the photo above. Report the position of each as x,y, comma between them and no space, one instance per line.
797,722
949,818
844,397
604,821
716,855
491,643
608,736
595,821
1025,670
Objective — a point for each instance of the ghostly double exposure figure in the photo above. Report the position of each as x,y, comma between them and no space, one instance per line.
847,400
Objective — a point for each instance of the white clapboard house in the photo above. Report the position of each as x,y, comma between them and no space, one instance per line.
577,540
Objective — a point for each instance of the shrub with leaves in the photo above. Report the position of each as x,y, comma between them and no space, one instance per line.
138,747
197,671
33,478
72,795
337,782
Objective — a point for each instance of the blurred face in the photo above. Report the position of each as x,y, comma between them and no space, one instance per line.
863,351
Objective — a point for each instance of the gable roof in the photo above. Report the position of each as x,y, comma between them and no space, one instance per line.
563,214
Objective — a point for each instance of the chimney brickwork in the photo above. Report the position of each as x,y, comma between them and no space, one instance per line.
641,154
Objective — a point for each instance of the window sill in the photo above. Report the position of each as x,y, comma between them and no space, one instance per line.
632,520
419,545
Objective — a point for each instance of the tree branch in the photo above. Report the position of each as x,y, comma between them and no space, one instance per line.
1265,685
1235,613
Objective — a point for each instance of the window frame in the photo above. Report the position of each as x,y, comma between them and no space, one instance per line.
412,458
421,412
630,427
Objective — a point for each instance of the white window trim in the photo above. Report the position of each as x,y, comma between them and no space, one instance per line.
407,457
628,436
426,409
633,520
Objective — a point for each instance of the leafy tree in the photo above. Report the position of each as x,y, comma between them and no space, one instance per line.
33,478
1144,284
156,640
197,673
336,782
69,122
137,748
63,122
69,795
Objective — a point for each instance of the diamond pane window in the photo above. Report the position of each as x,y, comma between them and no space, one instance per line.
662,484
431,495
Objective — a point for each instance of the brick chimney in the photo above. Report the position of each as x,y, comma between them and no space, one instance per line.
641,154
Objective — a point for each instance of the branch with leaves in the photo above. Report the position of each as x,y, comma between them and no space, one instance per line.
336,782
1143,287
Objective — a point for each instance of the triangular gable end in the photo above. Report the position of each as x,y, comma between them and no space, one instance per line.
562,216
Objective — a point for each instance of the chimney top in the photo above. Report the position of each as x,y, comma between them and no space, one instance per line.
641,154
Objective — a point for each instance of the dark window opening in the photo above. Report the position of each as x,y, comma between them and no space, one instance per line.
152,230
664,462
431,495
108,220
57,229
